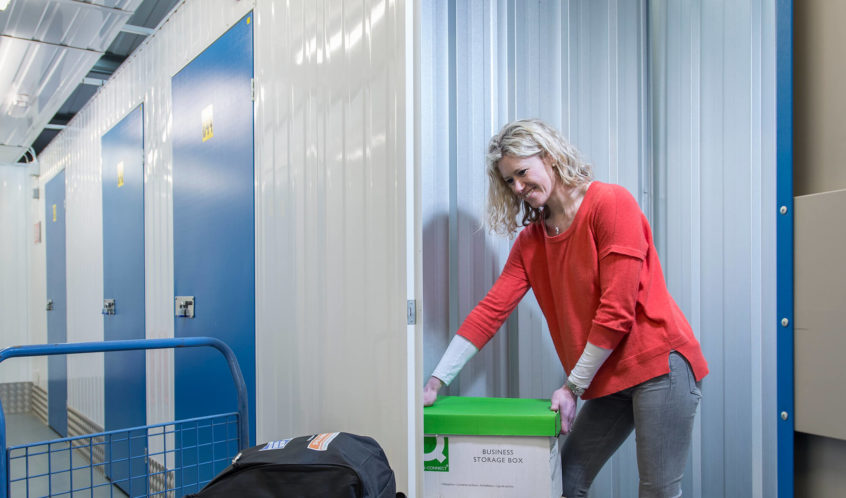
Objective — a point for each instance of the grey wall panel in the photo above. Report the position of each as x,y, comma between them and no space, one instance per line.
478,255
17,239
457,120
713,136
581,66
577,65
435,180
713,303
471,69
674,83
675,101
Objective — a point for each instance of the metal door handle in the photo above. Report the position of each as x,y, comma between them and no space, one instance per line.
184,306
108,306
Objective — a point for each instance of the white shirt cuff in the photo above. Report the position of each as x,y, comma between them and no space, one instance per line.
592,358
457,354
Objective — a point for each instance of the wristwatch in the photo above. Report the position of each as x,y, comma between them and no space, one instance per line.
576,390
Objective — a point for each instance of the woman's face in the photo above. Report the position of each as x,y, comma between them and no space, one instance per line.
531,179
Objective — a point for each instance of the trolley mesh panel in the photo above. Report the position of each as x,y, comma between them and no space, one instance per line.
169,459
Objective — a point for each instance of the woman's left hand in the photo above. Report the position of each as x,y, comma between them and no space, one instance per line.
430,391
564,402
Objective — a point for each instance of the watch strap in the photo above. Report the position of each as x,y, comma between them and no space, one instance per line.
576,390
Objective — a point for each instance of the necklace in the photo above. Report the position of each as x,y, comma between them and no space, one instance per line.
575,207
551,228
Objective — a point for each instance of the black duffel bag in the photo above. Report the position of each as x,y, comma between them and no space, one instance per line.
335,464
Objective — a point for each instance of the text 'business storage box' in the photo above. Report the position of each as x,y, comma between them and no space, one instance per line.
491,447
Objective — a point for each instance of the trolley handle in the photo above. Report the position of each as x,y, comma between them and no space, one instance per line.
130,345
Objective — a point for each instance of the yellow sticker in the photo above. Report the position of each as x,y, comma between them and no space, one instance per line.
208,126
54,212
120,174
248,20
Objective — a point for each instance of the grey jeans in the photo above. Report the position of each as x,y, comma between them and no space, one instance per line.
661,412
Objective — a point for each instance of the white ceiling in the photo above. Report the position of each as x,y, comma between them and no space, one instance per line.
47,49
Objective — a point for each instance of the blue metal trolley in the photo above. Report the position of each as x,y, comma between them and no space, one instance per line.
168,459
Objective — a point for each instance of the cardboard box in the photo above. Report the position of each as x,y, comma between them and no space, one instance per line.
491,447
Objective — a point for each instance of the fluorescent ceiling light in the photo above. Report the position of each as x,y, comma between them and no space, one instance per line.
4,4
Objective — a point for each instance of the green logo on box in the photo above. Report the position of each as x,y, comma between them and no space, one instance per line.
435,454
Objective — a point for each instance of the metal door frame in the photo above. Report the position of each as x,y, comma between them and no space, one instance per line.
784,249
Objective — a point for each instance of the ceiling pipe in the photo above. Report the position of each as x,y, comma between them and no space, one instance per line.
137,30
93,81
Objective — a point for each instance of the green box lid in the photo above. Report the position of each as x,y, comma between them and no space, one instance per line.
491,417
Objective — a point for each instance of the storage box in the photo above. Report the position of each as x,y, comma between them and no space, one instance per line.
491,447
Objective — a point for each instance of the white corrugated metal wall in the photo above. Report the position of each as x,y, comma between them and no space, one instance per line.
17,235
331,128
656,94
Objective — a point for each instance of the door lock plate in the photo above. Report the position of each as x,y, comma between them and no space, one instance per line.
184,306
108,306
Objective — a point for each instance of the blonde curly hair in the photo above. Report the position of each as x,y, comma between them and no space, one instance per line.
526,138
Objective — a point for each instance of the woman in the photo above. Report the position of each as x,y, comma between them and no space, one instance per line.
587,252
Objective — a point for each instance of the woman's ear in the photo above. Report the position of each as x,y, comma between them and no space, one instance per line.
551,168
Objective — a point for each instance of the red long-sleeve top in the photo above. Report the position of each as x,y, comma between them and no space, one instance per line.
599,281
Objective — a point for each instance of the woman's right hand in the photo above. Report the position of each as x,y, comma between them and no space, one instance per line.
564,402
430,391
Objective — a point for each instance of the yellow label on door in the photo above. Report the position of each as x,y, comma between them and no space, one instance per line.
208,125
120,174
54,212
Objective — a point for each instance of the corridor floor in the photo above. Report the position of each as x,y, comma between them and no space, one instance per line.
48,468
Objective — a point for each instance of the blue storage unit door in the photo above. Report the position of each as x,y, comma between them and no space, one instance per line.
123,296
214,236
57,309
